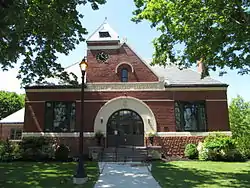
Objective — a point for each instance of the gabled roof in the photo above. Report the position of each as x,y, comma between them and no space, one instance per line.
104,33
15,118
171,74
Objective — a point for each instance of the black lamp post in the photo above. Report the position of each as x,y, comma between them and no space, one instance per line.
81,176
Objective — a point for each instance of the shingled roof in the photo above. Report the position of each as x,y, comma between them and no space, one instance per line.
174,76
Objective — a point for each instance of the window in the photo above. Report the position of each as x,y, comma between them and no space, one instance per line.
190,116
104,34
124,75
60,116
15,134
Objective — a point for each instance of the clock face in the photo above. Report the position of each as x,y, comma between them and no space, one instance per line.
102,57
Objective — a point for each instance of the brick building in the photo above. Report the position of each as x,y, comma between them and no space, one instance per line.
11,126
125,95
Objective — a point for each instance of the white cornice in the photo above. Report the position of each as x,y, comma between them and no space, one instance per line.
106,47
92,134
126,86
56,134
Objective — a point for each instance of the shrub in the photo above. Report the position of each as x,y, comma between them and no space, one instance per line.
220,147
36,148
9,151
235,155
62,153
191,151
243,144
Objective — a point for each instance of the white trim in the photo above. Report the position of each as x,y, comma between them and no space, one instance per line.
127,86
157,100
122,63
190,88
6,124
106,100
35,101
169,134
109,86
56,134
92,134
118,103
110,47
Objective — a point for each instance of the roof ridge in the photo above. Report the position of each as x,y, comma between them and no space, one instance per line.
104,22
143,61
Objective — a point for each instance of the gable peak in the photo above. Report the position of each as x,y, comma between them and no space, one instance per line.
104,33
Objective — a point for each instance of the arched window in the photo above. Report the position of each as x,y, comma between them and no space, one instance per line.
124,75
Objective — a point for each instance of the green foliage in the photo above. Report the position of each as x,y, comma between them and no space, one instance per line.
151,134
239,116
37,148
216,32
99,135
62,153
37,31
10,102
9,151
191,151
220,147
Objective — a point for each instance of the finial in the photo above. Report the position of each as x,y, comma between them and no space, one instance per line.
106,19
125,39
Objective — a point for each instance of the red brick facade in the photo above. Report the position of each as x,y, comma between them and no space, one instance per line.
105,72
163,110
160,101
5,130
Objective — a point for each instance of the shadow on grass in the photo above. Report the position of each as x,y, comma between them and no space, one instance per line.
44,175
210,175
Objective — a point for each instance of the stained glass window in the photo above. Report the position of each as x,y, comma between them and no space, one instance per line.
60,116
190,116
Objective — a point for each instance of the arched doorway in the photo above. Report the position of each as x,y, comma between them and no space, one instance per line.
125,128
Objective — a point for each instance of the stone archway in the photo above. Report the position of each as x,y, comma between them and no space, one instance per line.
129,103
125,128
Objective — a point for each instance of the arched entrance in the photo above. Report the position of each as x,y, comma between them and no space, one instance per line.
125,128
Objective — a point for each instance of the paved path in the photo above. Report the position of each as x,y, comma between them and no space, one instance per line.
125,176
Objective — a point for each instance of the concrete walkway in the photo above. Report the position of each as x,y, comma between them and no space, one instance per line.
125,175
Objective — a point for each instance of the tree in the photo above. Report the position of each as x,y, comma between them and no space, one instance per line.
36,30
10,102
217,32
239,117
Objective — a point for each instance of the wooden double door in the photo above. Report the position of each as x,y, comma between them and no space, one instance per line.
125,128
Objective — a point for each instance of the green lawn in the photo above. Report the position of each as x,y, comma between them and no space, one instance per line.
201,174
49,175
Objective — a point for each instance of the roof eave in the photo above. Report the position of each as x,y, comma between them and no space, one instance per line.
11,123
54,87
195,85
103,41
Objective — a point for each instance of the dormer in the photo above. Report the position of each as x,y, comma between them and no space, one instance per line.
103,36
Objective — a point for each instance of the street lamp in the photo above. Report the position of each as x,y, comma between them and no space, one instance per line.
81,176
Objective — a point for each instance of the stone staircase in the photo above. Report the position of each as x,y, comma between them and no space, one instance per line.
124,154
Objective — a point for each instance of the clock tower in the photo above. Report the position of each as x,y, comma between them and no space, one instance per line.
112,60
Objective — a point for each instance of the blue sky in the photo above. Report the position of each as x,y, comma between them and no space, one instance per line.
140,36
